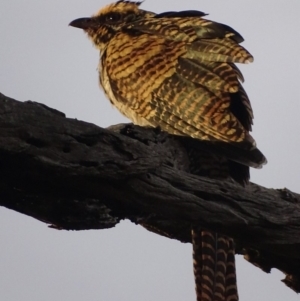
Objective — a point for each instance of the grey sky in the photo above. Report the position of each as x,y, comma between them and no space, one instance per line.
44,60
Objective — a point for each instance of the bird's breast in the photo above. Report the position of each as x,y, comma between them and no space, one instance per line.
121,105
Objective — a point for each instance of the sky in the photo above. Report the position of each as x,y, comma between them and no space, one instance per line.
44,60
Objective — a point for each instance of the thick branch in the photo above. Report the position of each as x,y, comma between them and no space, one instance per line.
75,175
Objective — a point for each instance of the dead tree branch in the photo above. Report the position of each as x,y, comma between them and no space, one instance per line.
74,175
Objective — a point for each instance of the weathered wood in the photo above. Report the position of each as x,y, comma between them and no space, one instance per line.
74,175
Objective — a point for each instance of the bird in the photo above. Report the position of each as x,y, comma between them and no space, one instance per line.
177,70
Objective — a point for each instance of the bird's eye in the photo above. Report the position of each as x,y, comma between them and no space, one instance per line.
113,18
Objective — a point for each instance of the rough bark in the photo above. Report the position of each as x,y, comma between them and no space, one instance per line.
74,175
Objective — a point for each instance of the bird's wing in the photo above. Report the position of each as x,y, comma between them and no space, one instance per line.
182,78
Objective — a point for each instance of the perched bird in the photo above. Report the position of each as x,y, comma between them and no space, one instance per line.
176,71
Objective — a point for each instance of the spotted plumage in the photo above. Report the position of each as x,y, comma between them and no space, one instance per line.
176,70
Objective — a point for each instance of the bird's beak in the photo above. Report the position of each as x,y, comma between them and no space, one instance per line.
83,23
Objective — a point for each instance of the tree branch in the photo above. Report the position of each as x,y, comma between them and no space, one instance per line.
75,175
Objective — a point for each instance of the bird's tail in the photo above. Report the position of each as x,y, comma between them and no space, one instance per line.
214,266
231,285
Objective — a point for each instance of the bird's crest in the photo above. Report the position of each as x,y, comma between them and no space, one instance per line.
121,6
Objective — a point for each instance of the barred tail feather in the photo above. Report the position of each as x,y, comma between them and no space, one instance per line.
214,266
197,261
231,293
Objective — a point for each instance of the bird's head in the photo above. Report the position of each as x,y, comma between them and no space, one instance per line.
102,26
